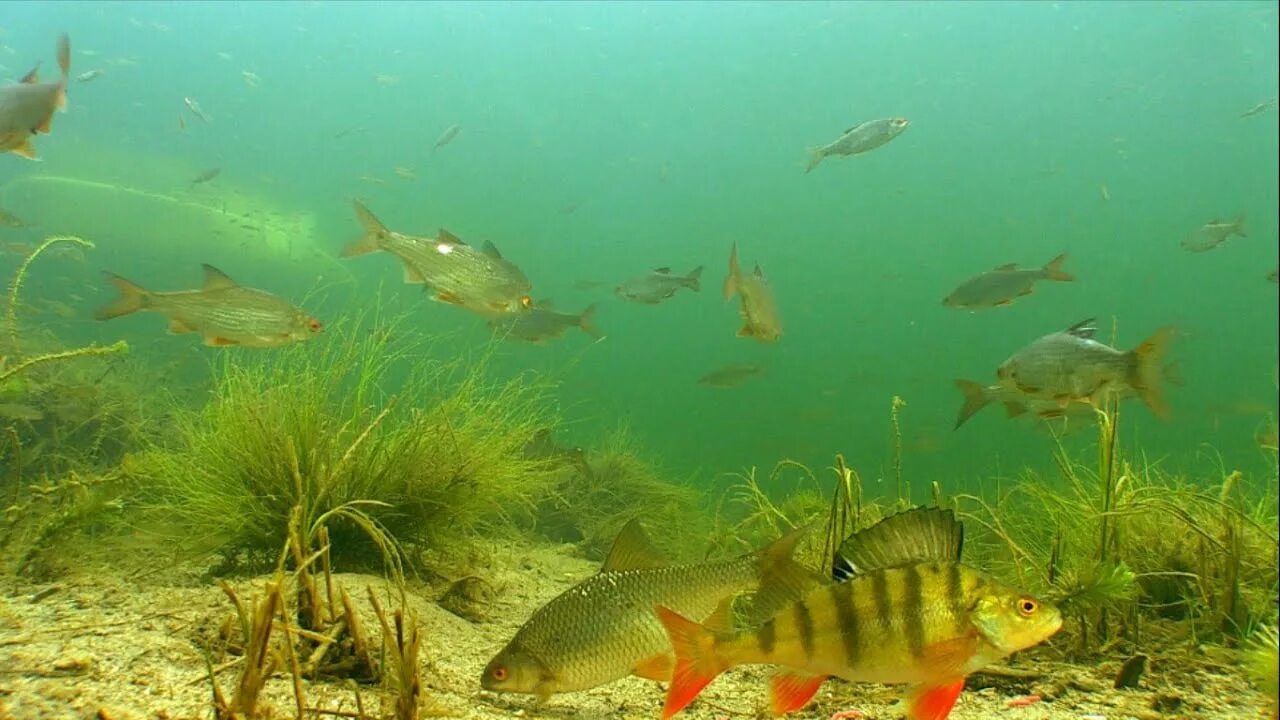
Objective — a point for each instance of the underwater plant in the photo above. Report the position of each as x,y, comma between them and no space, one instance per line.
358,430
611,484
1262,664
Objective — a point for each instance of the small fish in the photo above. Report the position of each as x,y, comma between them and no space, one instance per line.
604,628
540,323
195,109
1070,366
760,320
90,75
904,610
222,311
406,173
27,107
446,137
1104,192
1214,233
386,80
730,375
1259,108
478,279
859,139
205,176
251,79
658,285
8,219
1001,286
182,124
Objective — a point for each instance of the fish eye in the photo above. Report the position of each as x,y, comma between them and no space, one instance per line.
1027,606
899,122
314,325
500,673
526,302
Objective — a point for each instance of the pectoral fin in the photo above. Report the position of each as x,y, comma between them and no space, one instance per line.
658,667
216,341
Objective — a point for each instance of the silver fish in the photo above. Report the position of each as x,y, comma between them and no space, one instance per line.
859,139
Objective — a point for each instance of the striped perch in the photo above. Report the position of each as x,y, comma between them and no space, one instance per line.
904,611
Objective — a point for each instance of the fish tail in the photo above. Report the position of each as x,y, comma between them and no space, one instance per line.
697,663
731,282
815,156
975,398
64,55
1239,227
1053,270
693,279
374,233
1146,373
132,298
586,321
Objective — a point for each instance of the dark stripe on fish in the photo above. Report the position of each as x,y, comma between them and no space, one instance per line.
913,609
955,598
767,637
884,605
847,617
804,623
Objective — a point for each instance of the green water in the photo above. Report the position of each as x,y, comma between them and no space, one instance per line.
599,140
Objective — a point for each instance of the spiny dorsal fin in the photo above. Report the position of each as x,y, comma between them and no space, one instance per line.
215,279
1084,329
663,270
1007,266
915,536
449,238
32,77
757,271
852,128
632,550
489,249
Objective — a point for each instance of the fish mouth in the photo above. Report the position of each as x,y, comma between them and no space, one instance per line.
901,122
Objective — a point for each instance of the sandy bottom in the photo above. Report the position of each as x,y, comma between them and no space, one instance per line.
116,644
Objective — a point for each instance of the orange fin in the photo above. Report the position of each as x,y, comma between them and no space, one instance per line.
178,327
449,298
216,341
132,298
976,397
696,661
657,667
375,233
947,658
1014,409
1053,270
64,56
215,279
789,691
731,282
933,702
412,276
1145,374
26,150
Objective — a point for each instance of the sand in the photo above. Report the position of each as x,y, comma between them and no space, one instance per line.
105,642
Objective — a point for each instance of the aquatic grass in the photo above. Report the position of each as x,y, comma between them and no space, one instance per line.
367,436
1124,539
594,499
1261,662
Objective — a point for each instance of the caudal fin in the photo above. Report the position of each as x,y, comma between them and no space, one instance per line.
692,280
696,661
1239,228
375,233
132,298
586,321
1146,370
975,398
735,271
1053,270
815,156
